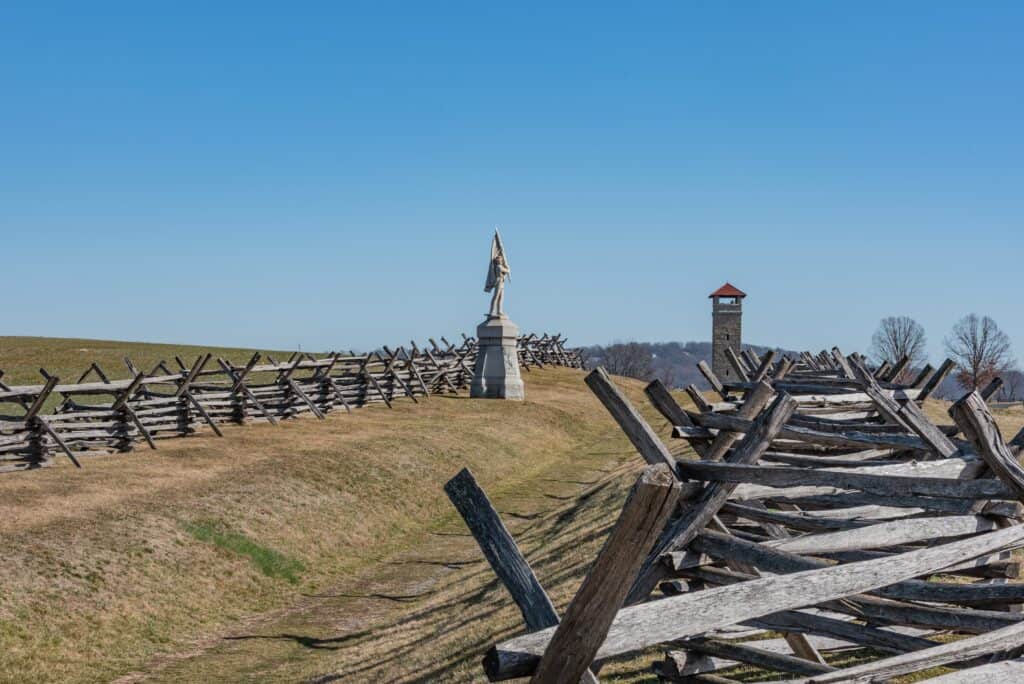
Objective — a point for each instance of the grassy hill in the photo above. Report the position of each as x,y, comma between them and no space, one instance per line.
191,562
22,357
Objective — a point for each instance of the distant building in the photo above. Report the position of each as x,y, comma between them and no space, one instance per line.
726,329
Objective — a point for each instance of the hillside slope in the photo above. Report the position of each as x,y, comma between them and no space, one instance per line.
166,552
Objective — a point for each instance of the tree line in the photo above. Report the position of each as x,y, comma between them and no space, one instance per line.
980,349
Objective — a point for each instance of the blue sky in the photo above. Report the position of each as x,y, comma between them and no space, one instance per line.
327,175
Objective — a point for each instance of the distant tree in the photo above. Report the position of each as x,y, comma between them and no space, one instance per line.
980,349
631,359
667,375
896,337
1013,385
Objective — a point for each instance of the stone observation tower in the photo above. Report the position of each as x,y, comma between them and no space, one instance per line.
726,328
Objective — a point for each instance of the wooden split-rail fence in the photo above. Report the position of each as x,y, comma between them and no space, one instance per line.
97,414
827,531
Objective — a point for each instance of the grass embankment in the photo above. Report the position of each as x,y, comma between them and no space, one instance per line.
165,552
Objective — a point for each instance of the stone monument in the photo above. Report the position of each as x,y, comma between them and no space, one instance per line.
496,374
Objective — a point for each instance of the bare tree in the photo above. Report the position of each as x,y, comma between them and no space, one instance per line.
667,375
980,349
898,337
630,359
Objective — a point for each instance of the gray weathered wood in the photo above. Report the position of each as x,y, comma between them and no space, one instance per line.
640,434
886,484
587,619
680,532
973,417
998,641
936,378
503,555
753,404
1004,672
712,379
638,627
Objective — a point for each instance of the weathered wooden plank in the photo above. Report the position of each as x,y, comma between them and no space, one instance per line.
781,561
886,534
583,628
936,378
783,369
1004,672
852,438
766,365
996,642
712,379
638,627
665,403
740,368
887,640
697,398
907,414
973,417
753,403
501,551
887,484
842,363
640,434
746,653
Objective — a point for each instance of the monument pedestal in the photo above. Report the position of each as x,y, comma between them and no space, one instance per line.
496,374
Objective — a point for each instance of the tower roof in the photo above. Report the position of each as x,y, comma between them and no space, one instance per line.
728,290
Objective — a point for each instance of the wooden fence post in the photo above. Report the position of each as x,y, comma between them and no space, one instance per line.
587,619
504,556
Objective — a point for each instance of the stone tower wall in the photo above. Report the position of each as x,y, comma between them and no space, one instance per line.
726,333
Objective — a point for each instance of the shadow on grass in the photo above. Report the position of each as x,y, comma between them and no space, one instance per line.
331,644
461,621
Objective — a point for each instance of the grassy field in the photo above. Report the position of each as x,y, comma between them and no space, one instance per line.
313,551
145,562
22,357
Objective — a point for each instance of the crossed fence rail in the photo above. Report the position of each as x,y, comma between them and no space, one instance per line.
826,520
98,414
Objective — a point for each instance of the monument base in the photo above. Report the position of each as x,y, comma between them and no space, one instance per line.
496,374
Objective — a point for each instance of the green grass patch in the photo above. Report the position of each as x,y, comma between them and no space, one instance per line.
270,562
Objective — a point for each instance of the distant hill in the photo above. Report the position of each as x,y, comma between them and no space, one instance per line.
674,363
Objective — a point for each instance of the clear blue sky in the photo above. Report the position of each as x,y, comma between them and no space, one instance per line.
328,174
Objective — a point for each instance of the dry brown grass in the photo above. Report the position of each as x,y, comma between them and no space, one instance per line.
101,576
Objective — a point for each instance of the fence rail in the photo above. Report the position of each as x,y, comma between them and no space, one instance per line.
824,507
99,415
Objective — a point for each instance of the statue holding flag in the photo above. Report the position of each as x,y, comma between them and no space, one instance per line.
496,370
497,273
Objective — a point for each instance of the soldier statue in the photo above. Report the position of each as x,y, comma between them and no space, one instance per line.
497,273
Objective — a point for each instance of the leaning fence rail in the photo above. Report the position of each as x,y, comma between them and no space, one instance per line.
99,414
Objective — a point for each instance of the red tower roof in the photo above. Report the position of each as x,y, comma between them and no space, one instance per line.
728,290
